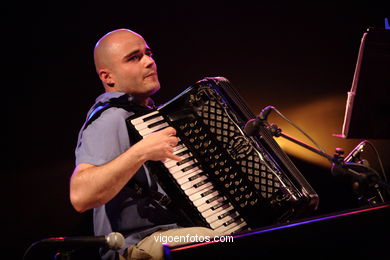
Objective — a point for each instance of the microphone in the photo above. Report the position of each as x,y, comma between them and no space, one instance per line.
114,241
252,127
265,112
355,152
348,165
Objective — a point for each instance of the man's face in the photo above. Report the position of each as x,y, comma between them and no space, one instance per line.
133,68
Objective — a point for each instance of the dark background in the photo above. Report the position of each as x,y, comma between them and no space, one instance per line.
299,57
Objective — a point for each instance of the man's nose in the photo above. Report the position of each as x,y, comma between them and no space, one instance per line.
149,61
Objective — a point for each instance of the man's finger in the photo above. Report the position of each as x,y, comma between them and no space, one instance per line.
173,141
170,130
174,157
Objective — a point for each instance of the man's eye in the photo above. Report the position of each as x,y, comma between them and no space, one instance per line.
133,58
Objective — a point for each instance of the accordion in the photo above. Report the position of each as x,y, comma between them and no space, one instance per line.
226,181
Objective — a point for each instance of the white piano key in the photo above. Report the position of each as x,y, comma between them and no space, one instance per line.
186,178
191,191
207,206
213,215
190,184
172,163
216,217
234,228
198,195
180,148
148,131
180,174
146,124
177,149
221,221
140,119
185,161
203,200
211,212
177,168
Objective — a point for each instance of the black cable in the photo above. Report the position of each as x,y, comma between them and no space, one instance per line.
379,161
29,249
297,127
322,150
379,181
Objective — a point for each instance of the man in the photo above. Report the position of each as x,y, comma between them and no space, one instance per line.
109,166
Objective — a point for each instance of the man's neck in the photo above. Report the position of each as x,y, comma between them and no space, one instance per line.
144,101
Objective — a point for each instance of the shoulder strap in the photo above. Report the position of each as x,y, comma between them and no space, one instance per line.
119,102
124,102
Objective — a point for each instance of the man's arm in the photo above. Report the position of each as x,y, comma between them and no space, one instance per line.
92,186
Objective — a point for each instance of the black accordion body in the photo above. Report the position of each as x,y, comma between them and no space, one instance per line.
227,181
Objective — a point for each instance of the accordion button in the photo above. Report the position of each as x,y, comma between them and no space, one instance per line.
227,185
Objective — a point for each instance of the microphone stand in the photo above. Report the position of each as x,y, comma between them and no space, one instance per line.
63,255
38,247
277,132
365,181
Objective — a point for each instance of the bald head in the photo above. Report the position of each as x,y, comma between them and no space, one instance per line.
124,63
108,46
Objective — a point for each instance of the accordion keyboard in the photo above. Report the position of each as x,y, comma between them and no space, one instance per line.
215,208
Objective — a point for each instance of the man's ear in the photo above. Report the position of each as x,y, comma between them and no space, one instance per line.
106,77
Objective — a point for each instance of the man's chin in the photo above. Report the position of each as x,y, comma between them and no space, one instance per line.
153,88
149,92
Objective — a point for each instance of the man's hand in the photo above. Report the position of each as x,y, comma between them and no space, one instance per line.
92,186
159,146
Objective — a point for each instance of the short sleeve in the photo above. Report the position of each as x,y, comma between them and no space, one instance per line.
104,139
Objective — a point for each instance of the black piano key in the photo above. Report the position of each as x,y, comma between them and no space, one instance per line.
185,160
189,167
156,123
227,223
200,183
204,194
212,199
151,117
218,205
196,176
230,212
183,152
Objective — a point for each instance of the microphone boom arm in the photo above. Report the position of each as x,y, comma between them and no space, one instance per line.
277,132
361,174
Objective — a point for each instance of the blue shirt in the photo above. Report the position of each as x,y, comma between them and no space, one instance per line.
128,213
